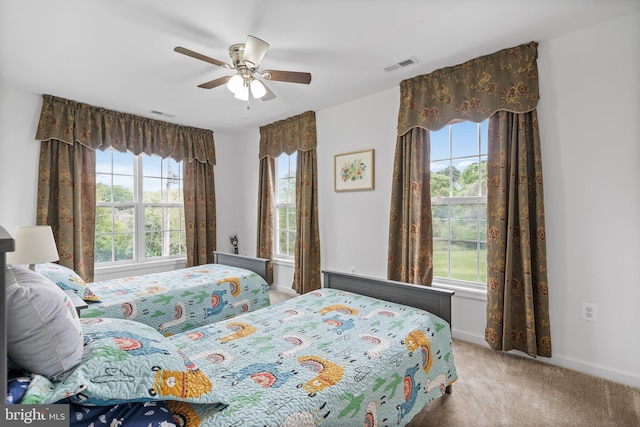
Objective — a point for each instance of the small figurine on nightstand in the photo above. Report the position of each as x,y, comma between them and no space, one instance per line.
234,243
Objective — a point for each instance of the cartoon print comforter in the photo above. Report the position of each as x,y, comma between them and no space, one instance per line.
329,358
178,300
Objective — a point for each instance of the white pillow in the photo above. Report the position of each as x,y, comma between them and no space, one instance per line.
44,335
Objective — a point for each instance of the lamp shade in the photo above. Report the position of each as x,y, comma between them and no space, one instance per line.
34,245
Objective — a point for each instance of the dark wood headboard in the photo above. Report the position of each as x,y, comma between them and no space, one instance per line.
433,300
257,265
7,244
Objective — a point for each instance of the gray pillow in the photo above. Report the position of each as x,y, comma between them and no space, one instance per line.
44,335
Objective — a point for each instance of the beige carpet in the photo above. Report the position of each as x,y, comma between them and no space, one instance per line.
500,389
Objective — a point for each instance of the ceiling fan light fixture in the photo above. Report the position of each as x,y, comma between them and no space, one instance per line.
257,89
235,84
242,94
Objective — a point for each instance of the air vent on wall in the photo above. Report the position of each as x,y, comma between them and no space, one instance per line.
160,113
404,63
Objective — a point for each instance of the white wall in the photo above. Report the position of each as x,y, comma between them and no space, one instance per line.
590,133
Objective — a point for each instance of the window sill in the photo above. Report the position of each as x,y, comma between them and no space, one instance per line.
138,268
284,261
463,291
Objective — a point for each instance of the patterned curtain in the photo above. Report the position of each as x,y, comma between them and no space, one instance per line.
265,212
505,81
296,133
306,277
199,212
517,294
67,202
410,233
65,122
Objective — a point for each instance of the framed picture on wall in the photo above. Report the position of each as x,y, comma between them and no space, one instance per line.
354,171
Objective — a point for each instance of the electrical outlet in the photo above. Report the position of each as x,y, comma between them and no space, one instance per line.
352,270
590,311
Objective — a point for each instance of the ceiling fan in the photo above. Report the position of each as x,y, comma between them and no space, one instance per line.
246,59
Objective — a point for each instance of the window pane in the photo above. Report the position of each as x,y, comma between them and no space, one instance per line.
464,222
484,135
122,163
122,188
469,180
291,216
282,242
123,247
173,190
103,161
153,244
177,243
439,180
440,220
464,261
103,248
440,258
439,144
291,244
152,166
482,222
151,188
293,161
104,223
464,139
483,262
483,176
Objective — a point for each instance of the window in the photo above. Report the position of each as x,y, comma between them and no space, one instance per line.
285,203
459,203
139,208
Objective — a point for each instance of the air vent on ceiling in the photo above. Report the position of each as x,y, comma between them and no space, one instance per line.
404,63
160,113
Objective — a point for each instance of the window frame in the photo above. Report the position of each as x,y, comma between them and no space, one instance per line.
474,289
139,226
278,205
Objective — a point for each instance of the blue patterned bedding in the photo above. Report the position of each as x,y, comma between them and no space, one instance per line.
328,357
179,300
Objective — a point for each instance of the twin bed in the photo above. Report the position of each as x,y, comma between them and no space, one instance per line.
358,351
173,301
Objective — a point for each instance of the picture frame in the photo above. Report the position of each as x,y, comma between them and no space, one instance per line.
354,171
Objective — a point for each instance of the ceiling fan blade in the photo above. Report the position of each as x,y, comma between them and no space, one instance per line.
287,76
215,83
201,57
269,95
254,51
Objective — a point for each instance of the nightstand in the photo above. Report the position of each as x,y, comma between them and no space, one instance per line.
77,302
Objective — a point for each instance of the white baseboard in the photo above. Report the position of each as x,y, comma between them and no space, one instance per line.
284,289
594,369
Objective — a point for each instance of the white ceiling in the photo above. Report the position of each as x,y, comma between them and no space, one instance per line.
118,54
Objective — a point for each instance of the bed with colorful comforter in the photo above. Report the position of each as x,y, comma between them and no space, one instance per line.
173,301
329,357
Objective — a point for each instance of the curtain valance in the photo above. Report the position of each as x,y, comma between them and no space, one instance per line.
505,80
98,128
288,135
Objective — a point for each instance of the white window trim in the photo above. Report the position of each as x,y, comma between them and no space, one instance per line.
159,263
